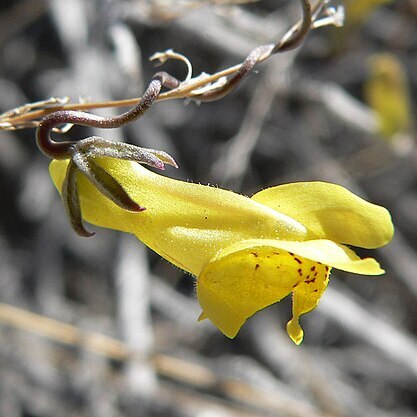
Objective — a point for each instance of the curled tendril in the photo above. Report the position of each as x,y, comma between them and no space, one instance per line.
82,153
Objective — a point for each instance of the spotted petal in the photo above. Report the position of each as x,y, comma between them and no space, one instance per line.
238,283
250,275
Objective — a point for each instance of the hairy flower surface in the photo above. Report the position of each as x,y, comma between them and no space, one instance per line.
247,253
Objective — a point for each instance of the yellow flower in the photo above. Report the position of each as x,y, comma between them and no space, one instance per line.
388,94
247,253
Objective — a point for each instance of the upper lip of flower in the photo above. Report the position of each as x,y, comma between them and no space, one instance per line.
332,212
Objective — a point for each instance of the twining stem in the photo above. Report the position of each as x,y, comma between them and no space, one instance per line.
62,150
190,88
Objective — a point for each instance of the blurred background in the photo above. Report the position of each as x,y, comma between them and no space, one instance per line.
105,327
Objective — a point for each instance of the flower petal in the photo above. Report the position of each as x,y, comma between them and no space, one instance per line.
331,212
238,283
321,250
186,223
306,297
